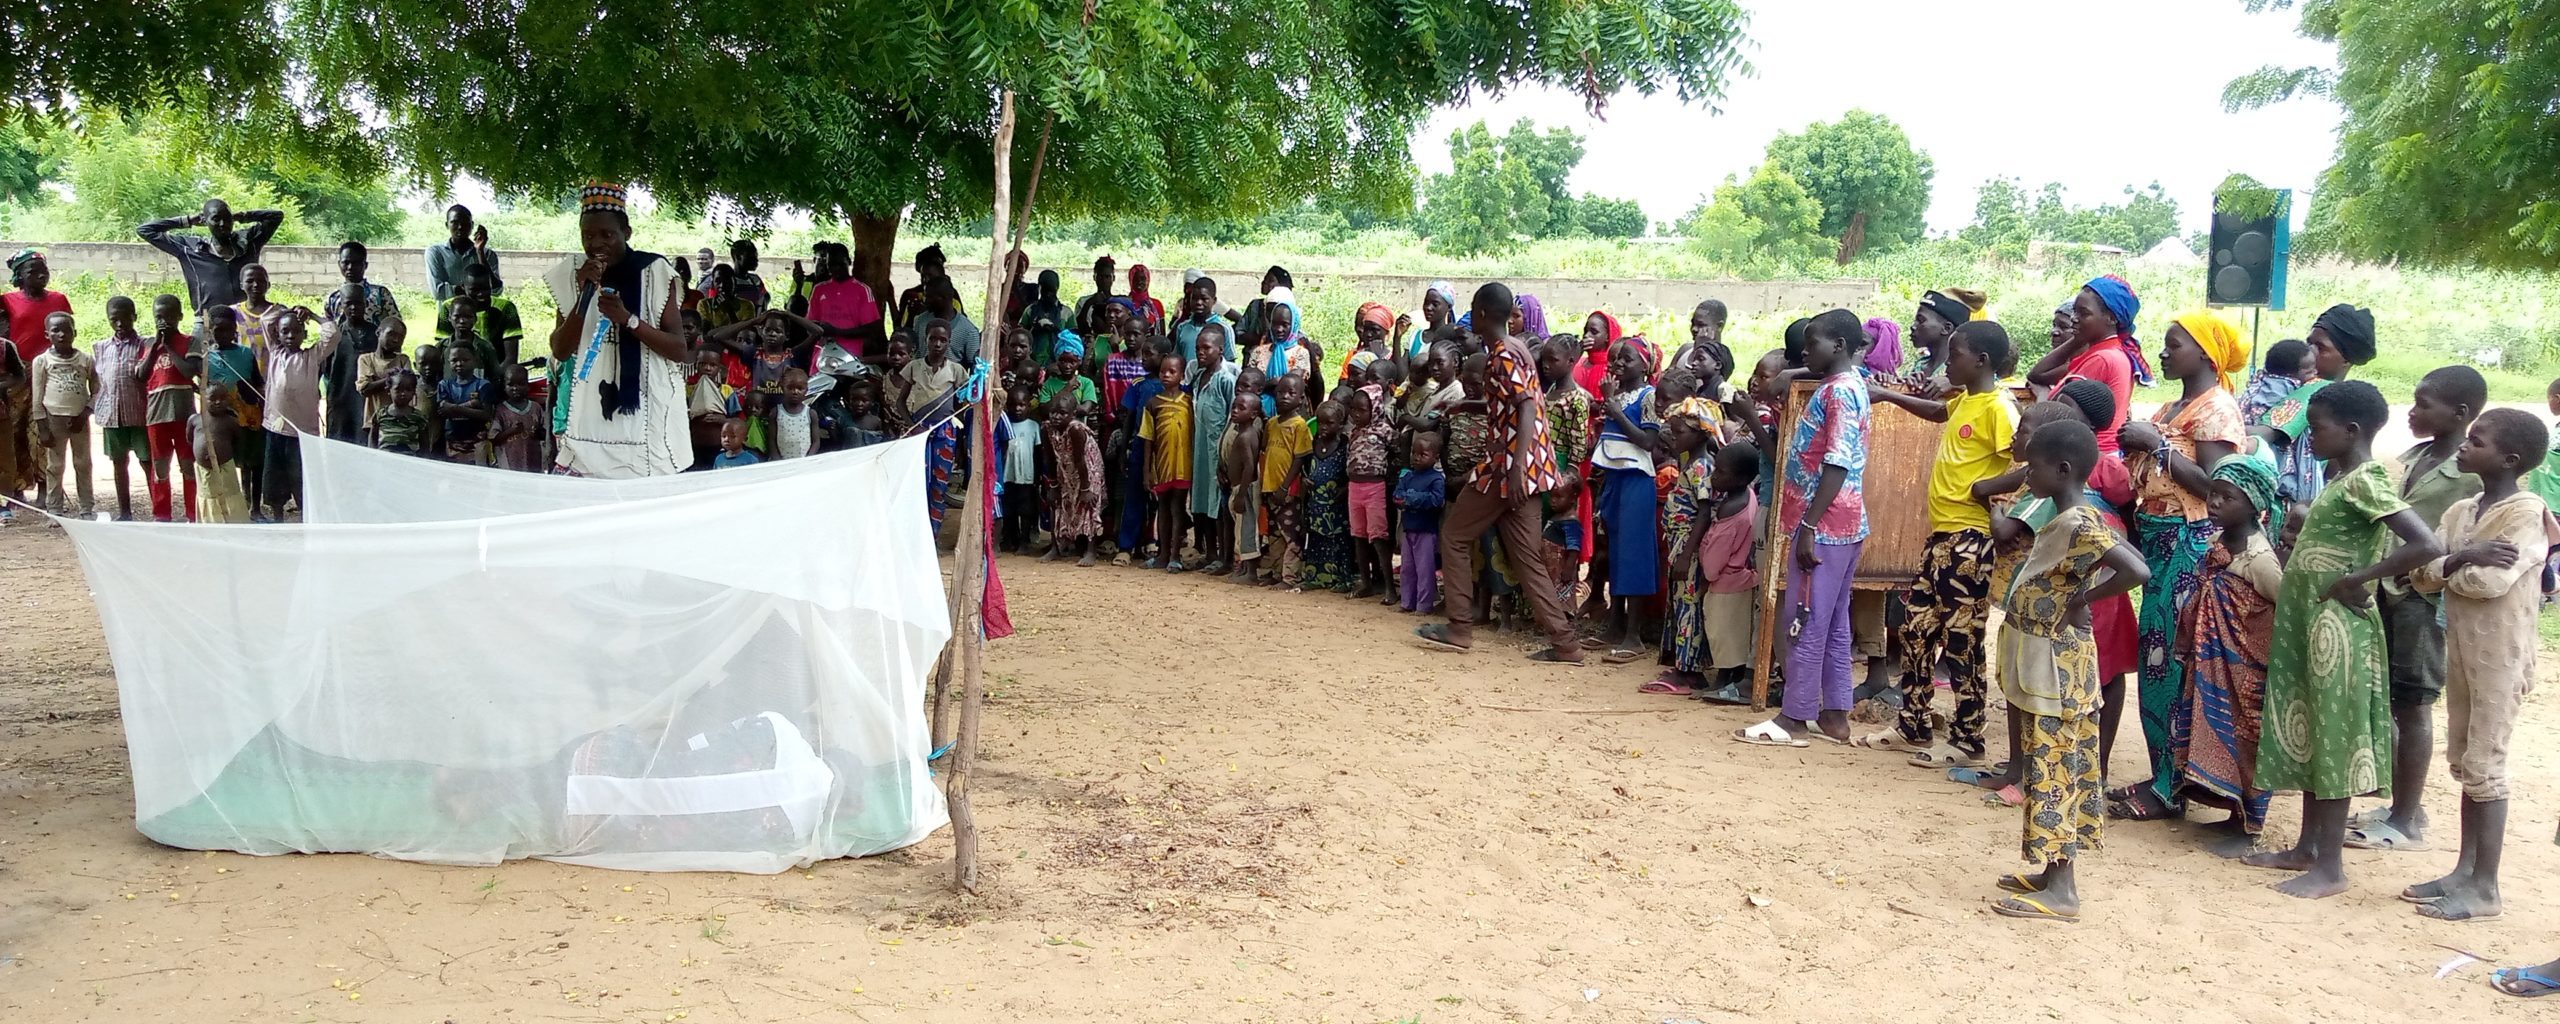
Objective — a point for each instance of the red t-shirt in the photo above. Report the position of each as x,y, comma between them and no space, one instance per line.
846,304
26,319
2107,364
170,370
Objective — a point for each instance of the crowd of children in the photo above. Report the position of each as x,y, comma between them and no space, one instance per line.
2302,605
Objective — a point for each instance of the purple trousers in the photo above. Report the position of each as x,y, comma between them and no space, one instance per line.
1419,573
1819,663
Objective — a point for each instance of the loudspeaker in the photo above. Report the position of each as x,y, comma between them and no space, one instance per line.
2245,261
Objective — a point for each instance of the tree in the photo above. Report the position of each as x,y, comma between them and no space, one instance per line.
123,171
2140,222
1873,185
1769,222
861,110
2000,223
1487,202
1550,157
2450,149
24,167
1603,217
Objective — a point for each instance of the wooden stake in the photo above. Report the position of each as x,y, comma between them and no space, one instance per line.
969,563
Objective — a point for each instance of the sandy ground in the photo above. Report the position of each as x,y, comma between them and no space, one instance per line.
1272,809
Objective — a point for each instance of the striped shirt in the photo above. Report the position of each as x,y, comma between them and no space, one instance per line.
1511,377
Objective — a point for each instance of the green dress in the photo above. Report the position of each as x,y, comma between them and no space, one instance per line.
2328,712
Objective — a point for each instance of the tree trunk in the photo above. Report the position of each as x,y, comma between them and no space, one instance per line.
969,562
873,238
1853,240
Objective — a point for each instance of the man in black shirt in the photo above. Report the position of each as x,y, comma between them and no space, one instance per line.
211,264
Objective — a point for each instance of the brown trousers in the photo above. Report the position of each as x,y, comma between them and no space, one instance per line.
1469,517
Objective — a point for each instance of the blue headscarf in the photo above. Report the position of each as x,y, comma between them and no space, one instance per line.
1069,343
1278,366
2118,297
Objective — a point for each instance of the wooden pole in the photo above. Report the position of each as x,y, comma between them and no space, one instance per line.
969,563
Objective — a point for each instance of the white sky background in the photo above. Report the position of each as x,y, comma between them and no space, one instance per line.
1984,87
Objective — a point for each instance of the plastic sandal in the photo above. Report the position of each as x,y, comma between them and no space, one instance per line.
2506,980
2029,908
1768,734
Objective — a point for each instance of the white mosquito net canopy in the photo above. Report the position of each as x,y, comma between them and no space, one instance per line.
713,671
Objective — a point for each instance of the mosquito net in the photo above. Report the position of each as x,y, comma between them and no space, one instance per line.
718,671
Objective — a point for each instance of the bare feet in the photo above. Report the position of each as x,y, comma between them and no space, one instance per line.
2297,858
2312,885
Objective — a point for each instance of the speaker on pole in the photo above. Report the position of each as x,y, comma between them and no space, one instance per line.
2245,261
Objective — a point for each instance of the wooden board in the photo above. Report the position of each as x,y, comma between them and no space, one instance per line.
1901,450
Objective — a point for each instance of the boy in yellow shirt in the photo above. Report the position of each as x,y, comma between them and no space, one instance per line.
1951,600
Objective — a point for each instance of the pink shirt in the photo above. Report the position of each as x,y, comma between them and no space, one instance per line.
845,303
2107,364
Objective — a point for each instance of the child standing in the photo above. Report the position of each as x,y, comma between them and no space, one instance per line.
1625,508
794,431
1328,519
466,402
214,433
2049,668
1729,610
1167,431
1240,465
1371,554
402,428
1951,601
1822,507
2497,540
733,447
2326,673
119,407
1420,494
2223,638
374,369
1075,490
1020,474
1699,501
169,400
1287,440
66,386
293,396
232,365
2431,480
524,429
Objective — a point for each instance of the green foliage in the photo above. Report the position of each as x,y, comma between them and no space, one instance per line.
1768,223
2004,221
2000,225
861,110
1550,157
1603,217
336,206
123,171
1490,200
2450,151
1873,185
24,167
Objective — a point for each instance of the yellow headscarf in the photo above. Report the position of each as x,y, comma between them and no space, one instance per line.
2220,341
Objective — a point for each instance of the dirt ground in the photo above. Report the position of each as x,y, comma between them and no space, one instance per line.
1204,803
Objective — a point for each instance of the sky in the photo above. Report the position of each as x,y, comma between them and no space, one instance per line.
1985,87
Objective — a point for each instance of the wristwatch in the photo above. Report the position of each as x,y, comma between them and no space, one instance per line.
631,322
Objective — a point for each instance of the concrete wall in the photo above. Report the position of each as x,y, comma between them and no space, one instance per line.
313,270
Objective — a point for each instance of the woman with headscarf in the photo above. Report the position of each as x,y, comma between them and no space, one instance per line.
1439,324
1884,347
1251,325
2224,635
1146,305
2173,526
1600,335
1939,314
2101,348
1370,326
2341,340
28,302
1282,350
1529,322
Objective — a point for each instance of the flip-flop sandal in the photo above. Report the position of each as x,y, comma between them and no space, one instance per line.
1883,739
1621,656
2369,816
1767,734
1176,567
1437,637
2019,883
1967,775
2006,796
2508,981
1941,756
1554,657
2441,912
1593,643
1728,694
1830,739
2383,835
2029,908
2144,805
1668,688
